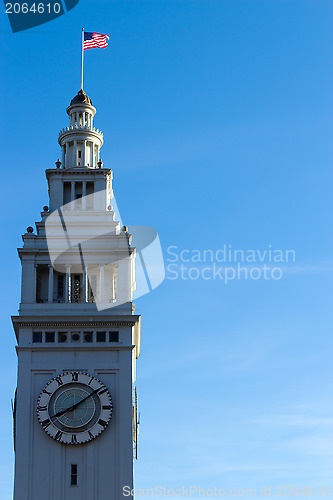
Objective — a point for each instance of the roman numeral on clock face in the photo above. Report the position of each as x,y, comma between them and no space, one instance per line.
59,380
46,423
41,408
106,407
75,377
102,423
102,391
74,439
58,436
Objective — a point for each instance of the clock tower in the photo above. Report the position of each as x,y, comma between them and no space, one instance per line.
77,336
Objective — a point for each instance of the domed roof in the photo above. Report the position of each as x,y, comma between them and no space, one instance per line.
81,98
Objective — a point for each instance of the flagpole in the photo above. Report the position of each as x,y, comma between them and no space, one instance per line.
82,43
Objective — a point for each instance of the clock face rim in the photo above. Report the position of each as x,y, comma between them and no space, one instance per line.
53,390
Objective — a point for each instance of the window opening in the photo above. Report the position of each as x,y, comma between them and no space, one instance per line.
101,336
113,336
49,336
74,474
37,337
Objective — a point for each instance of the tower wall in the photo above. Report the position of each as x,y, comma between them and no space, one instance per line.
76,320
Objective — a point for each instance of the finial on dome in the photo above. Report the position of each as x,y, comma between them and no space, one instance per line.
81,98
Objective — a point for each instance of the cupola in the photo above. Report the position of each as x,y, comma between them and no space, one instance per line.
80,141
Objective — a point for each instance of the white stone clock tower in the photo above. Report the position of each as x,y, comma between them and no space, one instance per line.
77,337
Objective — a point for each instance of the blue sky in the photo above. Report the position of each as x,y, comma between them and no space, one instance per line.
217,119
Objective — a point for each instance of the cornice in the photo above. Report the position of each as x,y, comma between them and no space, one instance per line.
71,324
35,321
123,252
105,172
89,347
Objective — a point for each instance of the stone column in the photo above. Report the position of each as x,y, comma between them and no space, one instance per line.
66,155
84,195
63,156
75,153
68,284
28,271
92,153
88,155
84,152
34,284
50,294
73,195
113,284
124,285
85,284
101,283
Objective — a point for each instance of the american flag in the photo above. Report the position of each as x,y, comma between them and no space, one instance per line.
95,40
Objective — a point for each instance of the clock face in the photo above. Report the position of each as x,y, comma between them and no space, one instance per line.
74,408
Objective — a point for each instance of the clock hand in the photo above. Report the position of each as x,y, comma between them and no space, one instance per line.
62,412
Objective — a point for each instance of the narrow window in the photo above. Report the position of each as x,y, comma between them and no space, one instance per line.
74,474
90,198
60,288
78,195
42,284
80,154
113,336
101,336
49,336
67,193
37,337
